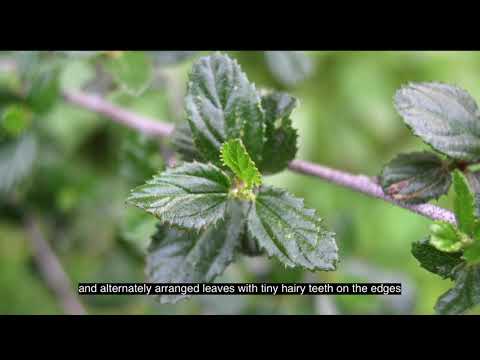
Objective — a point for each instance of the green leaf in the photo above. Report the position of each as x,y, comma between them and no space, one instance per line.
235,156
464,295
15,119
191,196
444,116
434,260
281,145
416,177
289,67
290,232
16,161
183,143
445,237
464,203
132,70
177,256
221,104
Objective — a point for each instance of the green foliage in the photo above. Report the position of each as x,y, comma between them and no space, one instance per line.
434,260
290,232
231,126
444,116
132,70
416,177
464,295
177,256
281,145
191,196
222,104
464,205
235,157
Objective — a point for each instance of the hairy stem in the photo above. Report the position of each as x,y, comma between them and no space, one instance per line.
358,183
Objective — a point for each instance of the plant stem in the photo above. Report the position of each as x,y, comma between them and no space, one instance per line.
51,269
358,183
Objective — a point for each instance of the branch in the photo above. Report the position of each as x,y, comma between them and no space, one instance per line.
51,269
358,183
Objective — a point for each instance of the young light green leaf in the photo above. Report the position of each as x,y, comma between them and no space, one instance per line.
445,237
191,196
434,260
289,67
444,116
281,145
464,203
177,256
235,156
132,70
222,104
16,161
464,295
416,177
290,232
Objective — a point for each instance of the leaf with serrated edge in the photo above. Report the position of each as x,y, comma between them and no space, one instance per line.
415,178
464,203
290,232
177,256
444,116
191,196
182,142
281,145
434,260
235,156
221,104
464,295
445,237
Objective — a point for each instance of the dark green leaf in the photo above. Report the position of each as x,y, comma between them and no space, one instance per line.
222,104
435,261
235,156
290,232
192,196
177,256
289,67
132,70
464,203
281,145
416,177
444,116
464,295
16,161
183,143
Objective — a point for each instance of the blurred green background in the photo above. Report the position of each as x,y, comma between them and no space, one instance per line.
85,165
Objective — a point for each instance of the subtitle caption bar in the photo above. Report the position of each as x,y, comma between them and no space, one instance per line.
240,289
